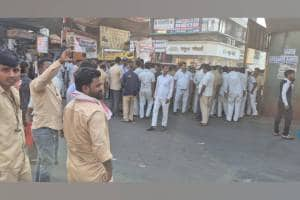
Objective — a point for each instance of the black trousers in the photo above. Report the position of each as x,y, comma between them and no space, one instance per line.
287,114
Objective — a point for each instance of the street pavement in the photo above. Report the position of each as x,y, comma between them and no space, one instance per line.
188,153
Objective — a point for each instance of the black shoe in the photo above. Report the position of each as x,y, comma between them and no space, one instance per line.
151,129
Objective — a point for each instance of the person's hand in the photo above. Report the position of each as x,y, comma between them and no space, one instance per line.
65,56
287,107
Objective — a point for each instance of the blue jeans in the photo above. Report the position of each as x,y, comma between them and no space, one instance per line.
45,140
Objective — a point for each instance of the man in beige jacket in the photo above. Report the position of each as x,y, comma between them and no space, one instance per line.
14,163
47,118
86,131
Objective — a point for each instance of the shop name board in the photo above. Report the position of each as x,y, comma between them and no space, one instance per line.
82,44
204,49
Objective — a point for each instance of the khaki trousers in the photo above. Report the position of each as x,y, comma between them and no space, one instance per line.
128,107
205,105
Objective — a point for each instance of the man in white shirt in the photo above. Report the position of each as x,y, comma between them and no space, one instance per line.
197,79
139,69
223,98
205,93
163,94
235,92
182,81
244,78
252,91
147,79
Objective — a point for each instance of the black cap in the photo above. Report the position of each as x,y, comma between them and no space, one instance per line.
8,58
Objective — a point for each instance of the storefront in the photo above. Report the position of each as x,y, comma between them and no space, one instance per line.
214,53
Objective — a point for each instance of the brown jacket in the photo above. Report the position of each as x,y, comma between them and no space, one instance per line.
46,99
87,136
14,163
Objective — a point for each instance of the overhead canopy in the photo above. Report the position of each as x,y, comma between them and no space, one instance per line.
282,24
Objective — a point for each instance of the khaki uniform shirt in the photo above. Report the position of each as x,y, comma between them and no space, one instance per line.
87,136
46,100
103,77
217,81
260,81
115,74
14,163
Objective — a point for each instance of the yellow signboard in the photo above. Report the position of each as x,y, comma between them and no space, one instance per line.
112,38
114,55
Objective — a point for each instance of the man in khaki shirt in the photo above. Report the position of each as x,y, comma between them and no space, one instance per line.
115,75
47,118
14,163
216,88
103,78
86,131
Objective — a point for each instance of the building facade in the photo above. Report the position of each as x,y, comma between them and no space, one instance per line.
200,40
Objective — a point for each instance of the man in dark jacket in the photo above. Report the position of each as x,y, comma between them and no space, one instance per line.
285,105
131,87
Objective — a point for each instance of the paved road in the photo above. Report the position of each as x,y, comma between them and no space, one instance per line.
187,153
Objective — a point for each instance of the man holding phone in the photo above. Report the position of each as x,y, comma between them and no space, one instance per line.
47,119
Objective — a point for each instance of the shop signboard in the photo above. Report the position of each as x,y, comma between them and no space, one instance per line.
20,33
42,44
82,44
163,24
112,38
204,48
187,25
160,46
256,58
287,61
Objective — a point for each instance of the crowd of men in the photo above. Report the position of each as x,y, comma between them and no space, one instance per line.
134,88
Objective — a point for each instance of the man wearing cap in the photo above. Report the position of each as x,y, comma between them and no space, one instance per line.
47,118
14,163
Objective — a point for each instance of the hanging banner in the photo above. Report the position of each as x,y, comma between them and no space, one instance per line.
144,49
112,38
82,44
42,44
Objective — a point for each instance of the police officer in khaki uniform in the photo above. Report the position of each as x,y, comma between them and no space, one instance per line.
86,131
14,163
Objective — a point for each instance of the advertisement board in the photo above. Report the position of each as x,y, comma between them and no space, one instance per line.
144,49
42,44
112,38
82,44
